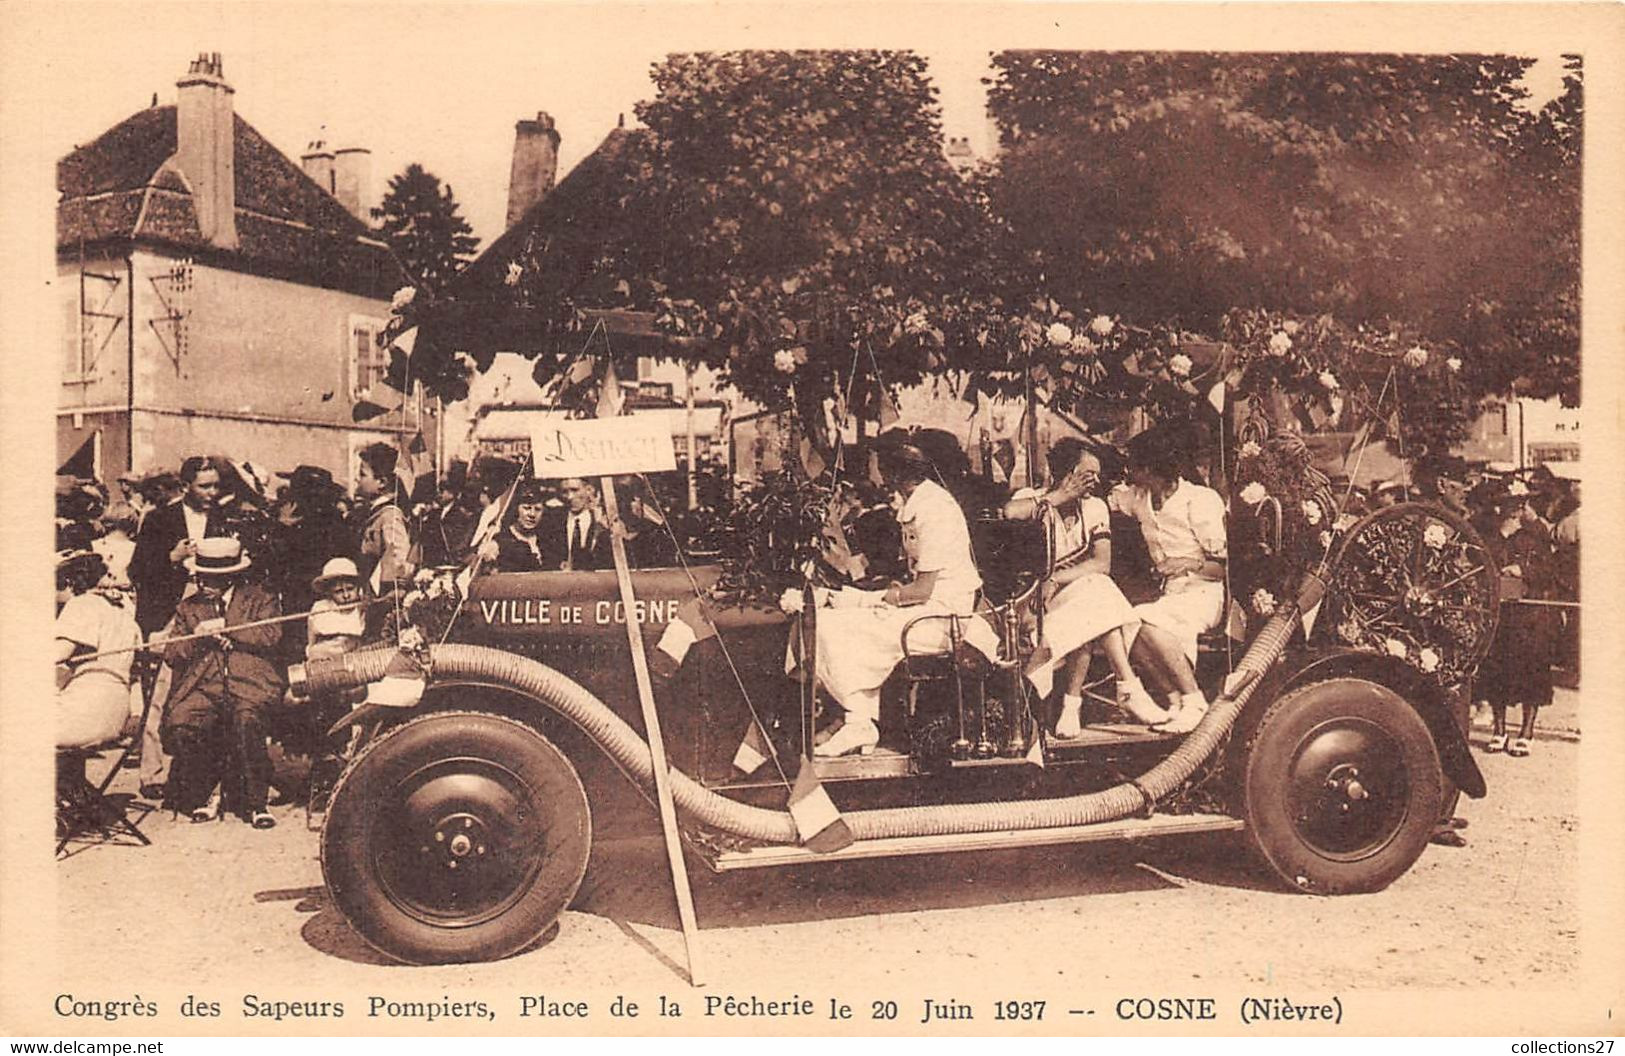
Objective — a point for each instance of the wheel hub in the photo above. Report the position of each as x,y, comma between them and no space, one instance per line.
458,847
1348,788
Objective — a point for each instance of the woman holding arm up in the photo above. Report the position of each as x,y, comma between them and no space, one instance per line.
1083,606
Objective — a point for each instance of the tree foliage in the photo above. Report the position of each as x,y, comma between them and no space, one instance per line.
423,224
1392,193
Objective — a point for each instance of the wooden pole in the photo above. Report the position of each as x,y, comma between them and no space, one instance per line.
693,468
657,744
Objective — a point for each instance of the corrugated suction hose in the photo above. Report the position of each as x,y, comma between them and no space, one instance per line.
631,752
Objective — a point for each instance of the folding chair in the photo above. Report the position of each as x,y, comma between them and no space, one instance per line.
82,807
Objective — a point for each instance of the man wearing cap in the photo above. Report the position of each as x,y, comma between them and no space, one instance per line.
218,713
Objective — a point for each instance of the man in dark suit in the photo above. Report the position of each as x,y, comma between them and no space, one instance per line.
169,535
579,533
218,713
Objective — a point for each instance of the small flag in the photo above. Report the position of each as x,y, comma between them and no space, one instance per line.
402,685
753,750
1215,396
610,398
818,822
693,624
413,462
1235,623
1309,619
1035,753
1042,673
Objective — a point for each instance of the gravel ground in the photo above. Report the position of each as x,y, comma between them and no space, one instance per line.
226,910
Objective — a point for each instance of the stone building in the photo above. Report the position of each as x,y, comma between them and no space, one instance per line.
216,297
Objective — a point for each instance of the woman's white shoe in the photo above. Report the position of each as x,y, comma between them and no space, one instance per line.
1133,698
1188,717
856,736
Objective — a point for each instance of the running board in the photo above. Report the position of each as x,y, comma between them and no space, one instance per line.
900,846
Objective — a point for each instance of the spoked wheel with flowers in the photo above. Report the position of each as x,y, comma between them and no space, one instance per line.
1417,582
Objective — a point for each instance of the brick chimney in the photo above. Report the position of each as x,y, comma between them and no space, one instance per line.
317,161
205,136
352,181
535,164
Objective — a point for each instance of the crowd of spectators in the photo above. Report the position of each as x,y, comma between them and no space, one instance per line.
185,557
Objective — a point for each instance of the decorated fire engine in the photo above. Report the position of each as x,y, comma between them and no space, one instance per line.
538,711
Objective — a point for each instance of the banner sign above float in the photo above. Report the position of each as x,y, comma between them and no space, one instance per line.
596,447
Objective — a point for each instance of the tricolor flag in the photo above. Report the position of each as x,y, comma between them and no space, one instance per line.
753,750
1035,752
693,624
610,397
837,551
812,462
818,822
1041,672
413,461
402,685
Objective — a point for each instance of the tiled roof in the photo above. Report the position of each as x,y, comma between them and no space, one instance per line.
116,189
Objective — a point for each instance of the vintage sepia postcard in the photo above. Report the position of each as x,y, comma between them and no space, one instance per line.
901,520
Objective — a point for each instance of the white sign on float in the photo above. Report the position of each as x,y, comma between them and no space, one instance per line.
597,447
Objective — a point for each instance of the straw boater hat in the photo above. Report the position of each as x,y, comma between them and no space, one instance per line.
336,569
217,556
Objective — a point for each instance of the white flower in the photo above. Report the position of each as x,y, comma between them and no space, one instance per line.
1326,540
514,271
792,601
1429,660
1416,357
1517,489
1454,364
1311,511
411,639
1291,327
1328,380
1344,522
424,577
1263,602
1436,535
1180,365
1101,325
785,360
402,298
917,323
1349,631
1395,647
1280,343
1059,334
1254,493
1251,449
1082,346
411,598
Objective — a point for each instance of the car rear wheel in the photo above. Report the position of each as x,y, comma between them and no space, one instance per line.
458,836
1342,786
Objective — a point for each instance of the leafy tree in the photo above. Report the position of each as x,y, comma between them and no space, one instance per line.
421,221
1386,199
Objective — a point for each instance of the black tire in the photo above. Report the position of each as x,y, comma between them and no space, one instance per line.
458,836
1341,786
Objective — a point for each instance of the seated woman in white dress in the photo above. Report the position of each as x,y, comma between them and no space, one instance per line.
93,695
860,639
1084,607
1183,525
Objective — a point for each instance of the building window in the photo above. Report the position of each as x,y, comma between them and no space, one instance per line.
73,341
368,362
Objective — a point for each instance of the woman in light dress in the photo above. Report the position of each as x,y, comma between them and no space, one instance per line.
1083,606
